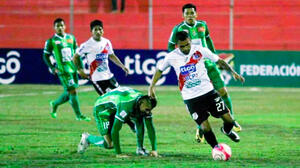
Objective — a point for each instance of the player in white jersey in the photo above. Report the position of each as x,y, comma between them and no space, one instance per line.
196,89
97,51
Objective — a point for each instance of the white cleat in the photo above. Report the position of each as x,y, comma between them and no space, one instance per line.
83,144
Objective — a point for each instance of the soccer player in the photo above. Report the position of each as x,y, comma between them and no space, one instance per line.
62,46
97,51
197,92
114,108
199,35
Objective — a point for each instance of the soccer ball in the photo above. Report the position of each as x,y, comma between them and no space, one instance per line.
223,152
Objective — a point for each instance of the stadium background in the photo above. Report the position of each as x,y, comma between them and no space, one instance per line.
141,33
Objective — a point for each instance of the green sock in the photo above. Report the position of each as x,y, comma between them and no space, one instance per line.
75,104
64,97
97,140
228,103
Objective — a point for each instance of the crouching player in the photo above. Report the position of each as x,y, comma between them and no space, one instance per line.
113,109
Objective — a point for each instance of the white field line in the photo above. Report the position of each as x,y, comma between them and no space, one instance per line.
162,88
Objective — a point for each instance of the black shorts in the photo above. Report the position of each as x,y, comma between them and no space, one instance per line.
203,106
105,85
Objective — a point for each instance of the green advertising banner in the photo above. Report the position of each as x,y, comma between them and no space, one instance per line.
266,68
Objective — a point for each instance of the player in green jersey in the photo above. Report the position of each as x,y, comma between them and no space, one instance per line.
199,35
113,109
62,46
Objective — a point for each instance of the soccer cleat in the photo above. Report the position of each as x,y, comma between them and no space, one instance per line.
199,136
237,127
84,118
232,135
142,151
83,144
53,110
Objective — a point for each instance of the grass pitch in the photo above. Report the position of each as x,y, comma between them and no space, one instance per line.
270,118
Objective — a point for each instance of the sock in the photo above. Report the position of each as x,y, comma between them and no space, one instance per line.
227,101
211,138
97,140
200,131
75,104
227,127
64,97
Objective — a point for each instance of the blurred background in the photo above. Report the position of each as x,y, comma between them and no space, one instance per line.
144,26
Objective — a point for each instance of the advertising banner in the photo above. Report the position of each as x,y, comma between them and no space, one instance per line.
260,68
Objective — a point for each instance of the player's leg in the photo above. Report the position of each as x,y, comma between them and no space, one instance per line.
102,118
215,76
72,84
219,109
208,134
64,97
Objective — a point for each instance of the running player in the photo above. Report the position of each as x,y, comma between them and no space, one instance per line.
114,108
199,35
196,90
62,46
97,51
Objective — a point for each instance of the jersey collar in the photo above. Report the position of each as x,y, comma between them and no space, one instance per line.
60,36
189,25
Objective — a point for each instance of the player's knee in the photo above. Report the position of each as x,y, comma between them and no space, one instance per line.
223,92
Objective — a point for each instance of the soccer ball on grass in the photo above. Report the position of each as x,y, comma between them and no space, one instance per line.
221,152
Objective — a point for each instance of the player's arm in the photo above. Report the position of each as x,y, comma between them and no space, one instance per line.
172,40
155,78
79,65
46,56
209,42
151,135
117,61
228,68
115,135
140,130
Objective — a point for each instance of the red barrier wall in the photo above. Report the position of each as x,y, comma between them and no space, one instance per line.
258,24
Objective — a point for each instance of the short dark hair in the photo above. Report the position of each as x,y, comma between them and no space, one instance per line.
96,23
189,5
57,20
149,99
182,35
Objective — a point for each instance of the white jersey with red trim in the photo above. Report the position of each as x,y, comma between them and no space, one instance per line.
190,69
97,53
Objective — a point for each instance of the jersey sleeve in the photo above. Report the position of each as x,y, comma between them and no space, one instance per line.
206,30
166,64
110,48
48,48
81,50
122,112
75,45
208,54
172,38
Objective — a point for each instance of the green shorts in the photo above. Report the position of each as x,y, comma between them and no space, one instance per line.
69,81
104,119
214,74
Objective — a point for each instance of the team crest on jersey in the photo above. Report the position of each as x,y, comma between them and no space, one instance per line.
195,116
197,55
201,29
69,40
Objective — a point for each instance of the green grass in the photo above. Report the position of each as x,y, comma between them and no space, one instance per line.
30,138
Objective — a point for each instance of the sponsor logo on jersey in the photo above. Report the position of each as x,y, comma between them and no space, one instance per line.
57,42
201,29
69,40
186,69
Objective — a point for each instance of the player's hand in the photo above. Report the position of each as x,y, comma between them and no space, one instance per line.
125,70
151,92
122,156
82,74
154,154
239,77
